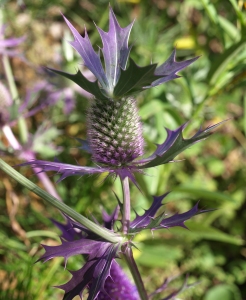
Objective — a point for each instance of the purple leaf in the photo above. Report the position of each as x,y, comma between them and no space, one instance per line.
110,219
170,68
12,42
178,219
118,286
144,220
64,169
184,287
67,249
84,145
91,59
173,145
102,272
115,48
68,232
93,273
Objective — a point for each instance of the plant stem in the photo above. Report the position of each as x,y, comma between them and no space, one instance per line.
29,155
104,233
15,96
128,256
126,205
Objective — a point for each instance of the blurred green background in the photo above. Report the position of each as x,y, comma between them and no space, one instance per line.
211,90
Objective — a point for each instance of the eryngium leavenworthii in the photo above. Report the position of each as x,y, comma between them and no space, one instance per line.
114,131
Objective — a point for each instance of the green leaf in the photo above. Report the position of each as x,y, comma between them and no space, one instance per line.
200,231
211,11
229,28
204,194
220,65
91,87
152,108
240,14
223,291
157,255
134,78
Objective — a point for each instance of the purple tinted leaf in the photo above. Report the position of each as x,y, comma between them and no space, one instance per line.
162,287
7,45
168,70
80,280
67,249
68,232
93,273
144,220
64,169
69,100
173,145
84,145
147,221
12,42
115,48
118,286
32,95
91,60
110,219
178,219
83,231
128,172
184,287
102,272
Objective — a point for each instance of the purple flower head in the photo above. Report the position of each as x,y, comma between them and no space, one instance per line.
114,130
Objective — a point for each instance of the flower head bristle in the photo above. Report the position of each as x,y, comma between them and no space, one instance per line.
115,131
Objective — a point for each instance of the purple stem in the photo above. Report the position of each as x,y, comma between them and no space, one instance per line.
126,205
128,256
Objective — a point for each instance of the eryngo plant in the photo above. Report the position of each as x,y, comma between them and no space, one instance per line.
114,130
115,140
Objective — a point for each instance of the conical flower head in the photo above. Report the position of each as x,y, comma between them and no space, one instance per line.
114,131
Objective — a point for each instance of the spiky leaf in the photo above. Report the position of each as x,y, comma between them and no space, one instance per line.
90,57
90,86
144,220
134,78
173,145
169,69
115,48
